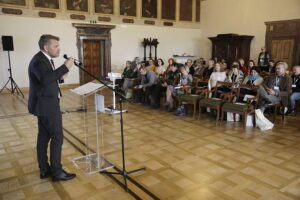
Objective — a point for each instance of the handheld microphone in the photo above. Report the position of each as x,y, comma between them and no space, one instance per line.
76,62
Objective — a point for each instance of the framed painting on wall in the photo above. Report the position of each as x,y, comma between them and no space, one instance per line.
186,10
149,8
48,4
104,7
77,5
10,3
168,9
128,8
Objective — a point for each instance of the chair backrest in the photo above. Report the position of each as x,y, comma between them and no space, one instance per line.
220,85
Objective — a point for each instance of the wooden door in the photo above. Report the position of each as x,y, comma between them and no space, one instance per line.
283,50
92,59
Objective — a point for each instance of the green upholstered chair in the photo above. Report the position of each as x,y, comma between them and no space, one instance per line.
216,101
240,106
190,99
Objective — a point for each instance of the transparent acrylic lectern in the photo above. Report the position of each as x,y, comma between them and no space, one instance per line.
92,136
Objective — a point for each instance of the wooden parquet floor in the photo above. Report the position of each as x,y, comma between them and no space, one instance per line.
186,159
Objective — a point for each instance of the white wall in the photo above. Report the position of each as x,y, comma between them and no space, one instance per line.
243,17
126,43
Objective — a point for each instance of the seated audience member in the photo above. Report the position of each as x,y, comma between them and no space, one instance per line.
269,69
276,88
243,67
235,76
199,68
217,75
130,82
176,90
148,81
190,67
171,61
127,75
202,61
171,80
251,64
209,69
135,62
253,78
295,87
128,71
160,69
151,66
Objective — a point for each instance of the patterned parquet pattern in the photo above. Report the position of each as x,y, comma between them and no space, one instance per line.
186,159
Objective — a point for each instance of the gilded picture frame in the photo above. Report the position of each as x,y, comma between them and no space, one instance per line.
77,6
46,4
104,7
149,9
128,8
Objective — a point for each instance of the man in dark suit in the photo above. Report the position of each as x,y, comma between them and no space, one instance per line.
44,95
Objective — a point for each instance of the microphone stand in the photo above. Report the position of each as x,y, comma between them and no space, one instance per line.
123,172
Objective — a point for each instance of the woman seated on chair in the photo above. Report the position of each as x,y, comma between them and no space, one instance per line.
217,75
176,89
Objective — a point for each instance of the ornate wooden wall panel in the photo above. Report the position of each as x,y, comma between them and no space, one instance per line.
283,40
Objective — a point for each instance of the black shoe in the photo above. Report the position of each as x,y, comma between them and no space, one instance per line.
63,176
44,175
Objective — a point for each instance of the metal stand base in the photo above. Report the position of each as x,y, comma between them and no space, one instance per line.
92,163
13,85
112,111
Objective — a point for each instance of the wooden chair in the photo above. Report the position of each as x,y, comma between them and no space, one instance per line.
241,107
215,102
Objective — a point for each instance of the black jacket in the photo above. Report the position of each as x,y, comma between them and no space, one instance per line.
43,86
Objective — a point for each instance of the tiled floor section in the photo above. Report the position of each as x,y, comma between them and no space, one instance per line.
186,159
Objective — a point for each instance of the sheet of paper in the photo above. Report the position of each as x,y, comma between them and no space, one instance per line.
87,88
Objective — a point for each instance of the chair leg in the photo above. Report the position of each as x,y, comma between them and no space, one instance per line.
199,112
218,115
195,108
222,116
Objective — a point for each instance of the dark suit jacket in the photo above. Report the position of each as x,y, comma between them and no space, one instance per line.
285,87
43,87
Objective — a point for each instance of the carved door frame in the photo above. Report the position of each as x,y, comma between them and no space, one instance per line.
281,30
94,32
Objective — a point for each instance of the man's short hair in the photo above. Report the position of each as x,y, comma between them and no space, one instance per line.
285,65
45,40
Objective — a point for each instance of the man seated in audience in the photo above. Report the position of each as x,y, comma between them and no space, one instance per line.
148,81
151,66
276,88
135,62
295,87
